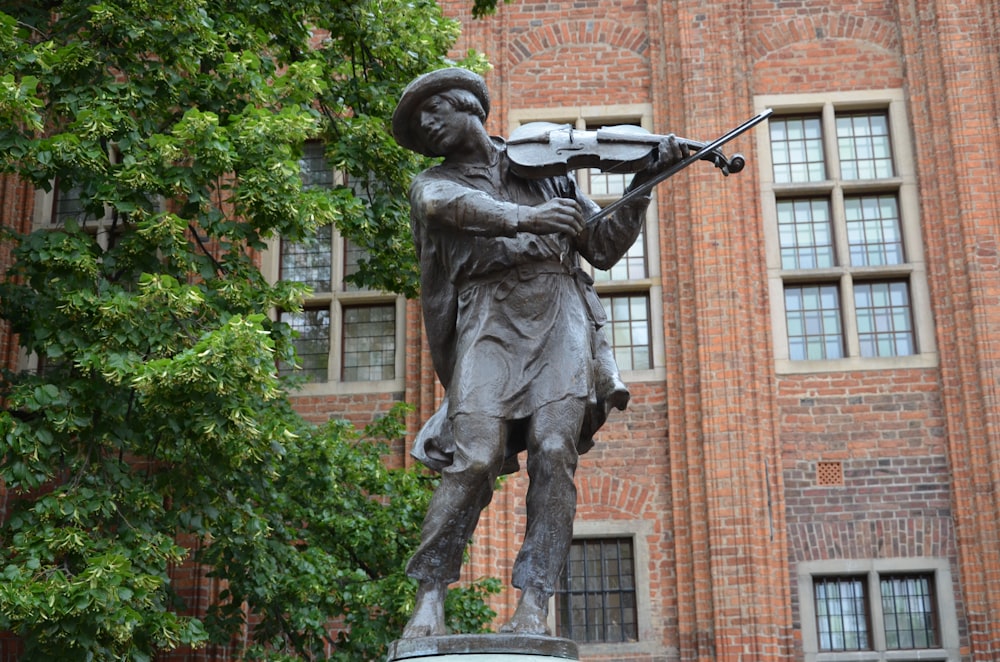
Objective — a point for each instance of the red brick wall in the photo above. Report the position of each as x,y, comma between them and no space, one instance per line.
954,82
17,203
886,430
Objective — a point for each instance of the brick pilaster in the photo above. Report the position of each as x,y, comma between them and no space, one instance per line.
732,536
953,76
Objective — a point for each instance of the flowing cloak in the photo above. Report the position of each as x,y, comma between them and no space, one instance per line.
464,224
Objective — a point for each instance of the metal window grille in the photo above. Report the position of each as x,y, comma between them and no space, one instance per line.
595,599
909,611
68,205
842,617
850,229
353,254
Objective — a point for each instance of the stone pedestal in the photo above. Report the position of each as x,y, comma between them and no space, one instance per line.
483,648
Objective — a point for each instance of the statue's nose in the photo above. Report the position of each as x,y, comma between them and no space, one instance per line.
428,122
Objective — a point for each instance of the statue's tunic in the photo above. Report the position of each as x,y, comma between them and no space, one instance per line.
509,315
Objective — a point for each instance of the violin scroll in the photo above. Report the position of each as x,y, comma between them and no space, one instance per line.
735,164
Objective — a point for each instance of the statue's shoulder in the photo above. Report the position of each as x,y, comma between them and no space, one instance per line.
437,173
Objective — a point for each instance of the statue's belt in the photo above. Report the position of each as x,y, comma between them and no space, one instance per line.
508,279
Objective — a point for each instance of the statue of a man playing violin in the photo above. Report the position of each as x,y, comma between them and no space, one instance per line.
514,329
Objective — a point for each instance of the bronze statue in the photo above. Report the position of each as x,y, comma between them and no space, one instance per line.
514,328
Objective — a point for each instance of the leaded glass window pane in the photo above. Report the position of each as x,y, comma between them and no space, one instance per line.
864,146
885,319
874,232
309,261
797,150
353,254
316,169
312,342
369,343
814,322
805,234
841,614
68,205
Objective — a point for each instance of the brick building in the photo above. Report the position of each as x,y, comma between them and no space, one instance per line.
808,469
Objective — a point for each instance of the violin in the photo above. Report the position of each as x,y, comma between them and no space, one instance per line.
545,149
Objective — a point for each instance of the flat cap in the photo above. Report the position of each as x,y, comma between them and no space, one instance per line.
423,87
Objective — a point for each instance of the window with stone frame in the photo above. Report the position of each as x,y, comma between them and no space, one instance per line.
881,610
64,203
596,598
622,288
848,282
345,334
629,289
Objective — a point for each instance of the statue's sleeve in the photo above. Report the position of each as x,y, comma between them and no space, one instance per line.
444,204
606,241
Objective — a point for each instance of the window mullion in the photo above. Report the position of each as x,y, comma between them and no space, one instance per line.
840,243
838,219
850,315
829,124
876,615
103,236
337,251
336,362
335,372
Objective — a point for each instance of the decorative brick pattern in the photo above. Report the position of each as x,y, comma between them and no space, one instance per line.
829,474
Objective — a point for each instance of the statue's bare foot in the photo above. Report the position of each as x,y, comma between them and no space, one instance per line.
428,615
531,615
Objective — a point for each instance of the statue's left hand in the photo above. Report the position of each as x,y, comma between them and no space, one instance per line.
670,152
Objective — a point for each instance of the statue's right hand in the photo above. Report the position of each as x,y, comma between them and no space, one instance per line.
558,215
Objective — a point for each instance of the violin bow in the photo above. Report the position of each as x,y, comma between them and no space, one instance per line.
648,186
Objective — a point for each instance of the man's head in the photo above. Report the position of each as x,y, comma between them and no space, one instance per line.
463,90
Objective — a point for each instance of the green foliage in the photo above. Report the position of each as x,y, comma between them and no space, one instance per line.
484,8
159,432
